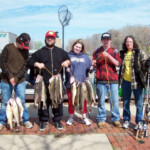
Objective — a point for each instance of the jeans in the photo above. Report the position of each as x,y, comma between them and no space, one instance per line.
138,95
101,89
6,93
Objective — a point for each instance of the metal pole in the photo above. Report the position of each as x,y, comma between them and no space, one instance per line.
63,37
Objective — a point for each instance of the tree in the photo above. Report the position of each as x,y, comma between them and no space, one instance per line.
141,34
38,44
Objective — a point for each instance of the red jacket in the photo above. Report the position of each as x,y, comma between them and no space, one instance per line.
106,70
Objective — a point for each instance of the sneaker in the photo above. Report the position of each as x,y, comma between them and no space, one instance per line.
58,125
1,126
28,124
138,127
42,126
70,121
126,124
86,121
117,124
100,124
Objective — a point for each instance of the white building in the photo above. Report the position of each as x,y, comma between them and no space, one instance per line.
6,38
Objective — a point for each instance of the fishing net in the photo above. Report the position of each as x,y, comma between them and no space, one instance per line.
64,15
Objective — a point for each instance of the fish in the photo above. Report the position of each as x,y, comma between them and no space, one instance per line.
90,94
37,91
60,89
77,96
9,114
43,96
20,106
57,89
73,93
15,109
51,88
72,79
83,96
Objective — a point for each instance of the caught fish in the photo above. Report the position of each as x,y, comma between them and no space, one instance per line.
37,91
78,96
56,90
60,89
51,88
21,109
83,96
90,94
72,79
43,95
16,113
73,93
9,113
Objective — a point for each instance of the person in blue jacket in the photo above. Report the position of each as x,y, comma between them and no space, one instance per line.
79,68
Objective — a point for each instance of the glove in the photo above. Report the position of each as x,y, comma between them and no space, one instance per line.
148,62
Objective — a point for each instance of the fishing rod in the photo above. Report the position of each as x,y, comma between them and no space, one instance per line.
146,112
110,95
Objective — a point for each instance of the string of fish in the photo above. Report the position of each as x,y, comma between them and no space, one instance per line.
81,91
55,88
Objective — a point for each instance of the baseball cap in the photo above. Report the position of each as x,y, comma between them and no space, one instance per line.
50,33
24,40
106,35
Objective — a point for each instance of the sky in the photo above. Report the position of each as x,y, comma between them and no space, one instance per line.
89,17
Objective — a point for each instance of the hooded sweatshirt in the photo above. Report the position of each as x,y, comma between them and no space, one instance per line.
79,68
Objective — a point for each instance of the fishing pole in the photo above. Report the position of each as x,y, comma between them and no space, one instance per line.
107,74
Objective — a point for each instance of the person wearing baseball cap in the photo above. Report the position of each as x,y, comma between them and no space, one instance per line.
50,34
106,35
50,39
105,59
24,40
13,63
53,58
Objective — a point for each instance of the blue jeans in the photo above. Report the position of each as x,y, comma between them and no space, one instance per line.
6,93
138,95
113,99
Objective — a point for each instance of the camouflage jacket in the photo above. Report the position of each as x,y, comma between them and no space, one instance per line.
138,67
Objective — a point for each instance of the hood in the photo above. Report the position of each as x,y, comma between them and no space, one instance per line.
74,54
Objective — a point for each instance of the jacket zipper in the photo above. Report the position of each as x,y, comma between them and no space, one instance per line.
51,60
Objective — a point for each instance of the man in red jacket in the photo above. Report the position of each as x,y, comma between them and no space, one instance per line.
106,58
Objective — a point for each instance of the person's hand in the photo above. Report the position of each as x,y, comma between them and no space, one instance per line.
68,69
93,62
91,68
105,54
39,65
12,81
65,63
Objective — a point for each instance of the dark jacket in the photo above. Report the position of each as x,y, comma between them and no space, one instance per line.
52,60
138,67
13,63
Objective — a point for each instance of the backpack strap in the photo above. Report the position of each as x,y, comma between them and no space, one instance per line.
97,50
116,51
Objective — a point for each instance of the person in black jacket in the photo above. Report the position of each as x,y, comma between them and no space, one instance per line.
52,58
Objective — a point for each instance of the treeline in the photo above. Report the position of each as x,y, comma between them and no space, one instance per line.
141,34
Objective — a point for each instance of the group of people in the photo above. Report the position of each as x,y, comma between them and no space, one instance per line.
132,61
